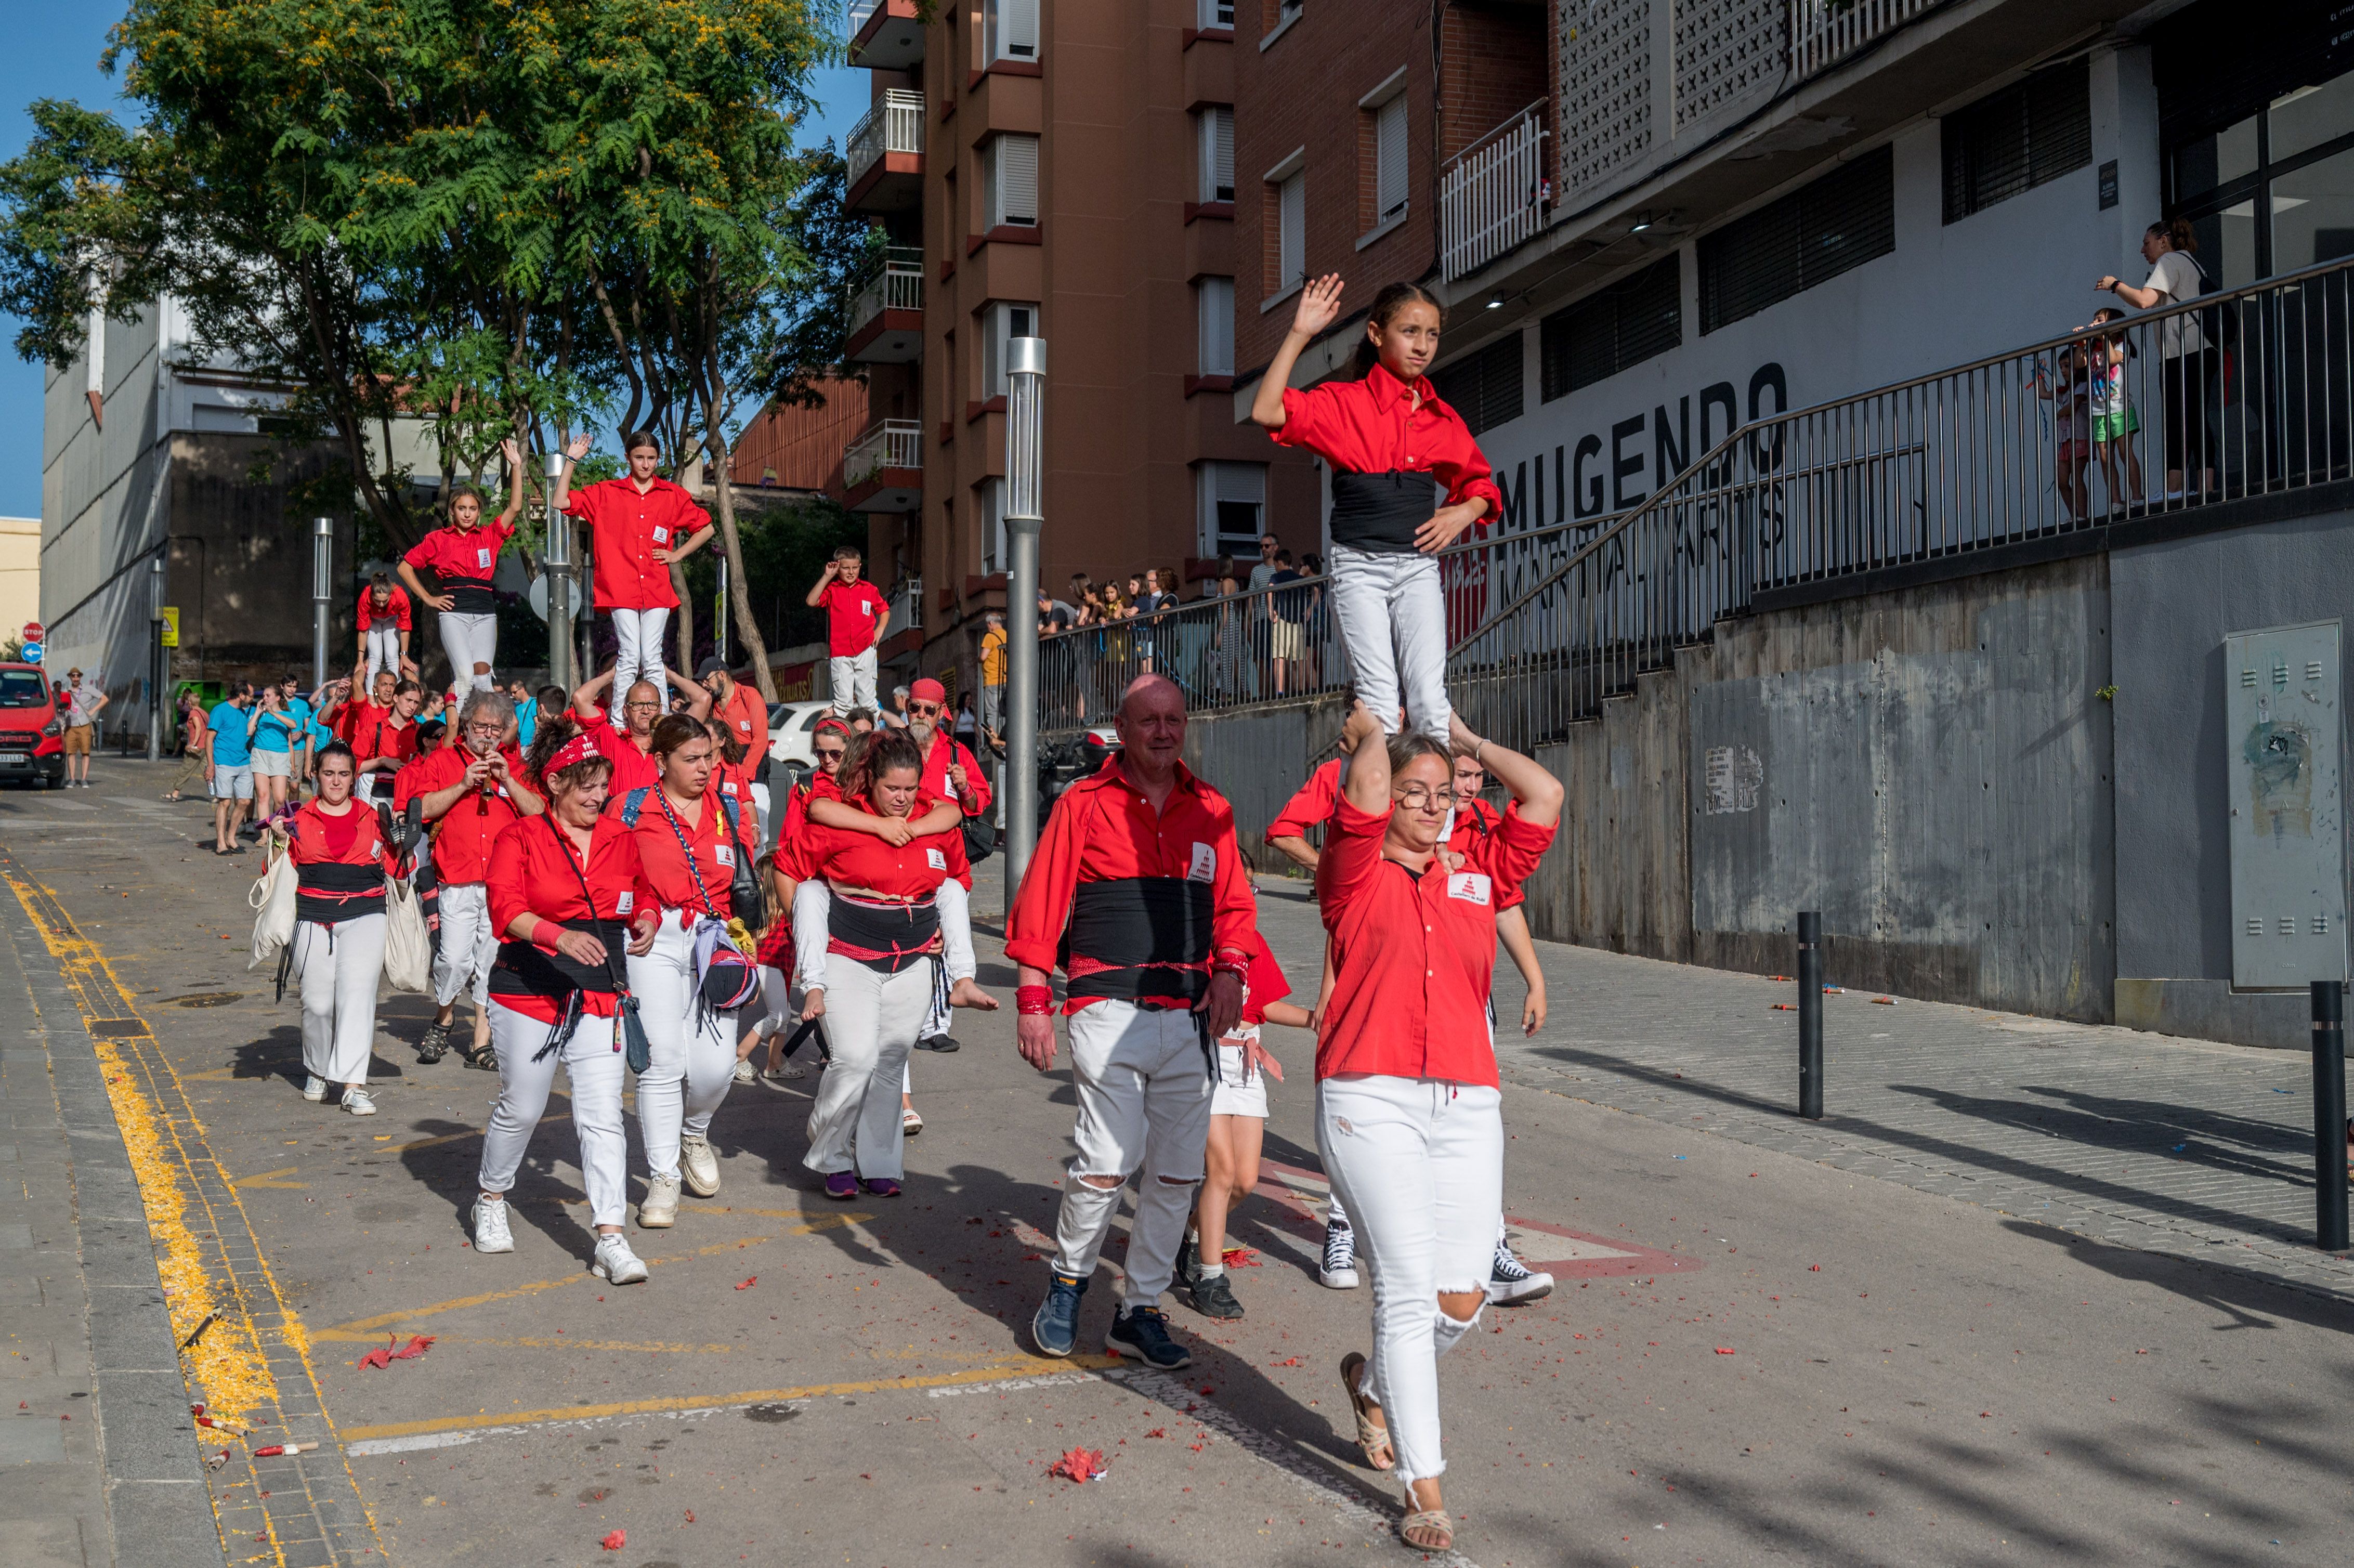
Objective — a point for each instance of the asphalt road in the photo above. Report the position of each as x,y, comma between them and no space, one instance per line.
1753,1357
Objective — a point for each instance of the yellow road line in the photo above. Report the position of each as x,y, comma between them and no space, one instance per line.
270,1178
1027,1366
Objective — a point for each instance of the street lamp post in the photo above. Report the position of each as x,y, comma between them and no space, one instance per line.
557,560
1024,457
323,594
158,661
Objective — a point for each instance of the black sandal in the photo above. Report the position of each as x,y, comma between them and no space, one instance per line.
435,1045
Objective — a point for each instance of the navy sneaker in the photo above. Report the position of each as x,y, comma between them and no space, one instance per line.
1057,1327
1142,1333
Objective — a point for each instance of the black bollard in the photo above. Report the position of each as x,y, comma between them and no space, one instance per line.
1810,1015
2329,1114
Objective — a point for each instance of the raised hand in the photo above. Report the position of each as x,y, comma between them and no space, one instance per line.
578,447
513,452
1320,305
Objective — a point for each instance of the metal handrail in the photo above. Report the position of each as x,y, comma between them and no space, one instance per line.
1824,32
894,125
893,443
897,283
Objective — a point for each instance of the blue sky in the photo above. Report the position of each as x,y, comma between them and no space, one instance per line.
53,52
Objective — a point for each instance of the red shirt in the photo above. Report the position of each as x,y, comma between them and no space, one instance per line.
1311,807
626,529
665,861
457,557
632,769
380,732
852,611
1413,956
913,870
358,717
1104,829
946,751
1370,426
535,869
1264,984
354,846
462,836
396,610
747,718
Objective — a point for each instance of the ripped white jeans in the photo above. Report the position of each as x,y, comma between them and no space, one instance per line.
1420,1164
1144,1111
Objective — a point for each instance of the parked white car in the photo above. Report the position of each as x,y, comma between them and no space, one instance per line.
789,734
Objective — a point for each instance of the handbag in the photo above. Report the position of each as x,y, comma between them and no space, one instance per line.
407,947
746,893
273,898
725,975
637,1051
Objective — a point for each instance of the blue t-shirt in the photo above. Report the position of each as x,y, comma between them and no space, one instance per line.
284,730
526,722
230,748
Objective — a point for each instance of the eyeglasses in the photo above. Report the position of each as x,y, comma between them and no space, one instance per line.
489,729
829,753
924,710
639,707
1418,798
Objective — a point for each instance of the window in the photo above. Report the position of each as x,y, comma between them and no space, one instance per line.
1809,236
1001,322
991,504
1217,14
1215,156
1389,158
1615,327
1485,386
1233,498
1009,181
1010,29
1289,231
2008,141
1214,317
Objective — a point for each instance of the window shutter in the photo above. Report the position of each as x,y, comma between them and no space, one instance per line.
1217,154
1389,157
1017,29
1291,252
1009,168
1213,302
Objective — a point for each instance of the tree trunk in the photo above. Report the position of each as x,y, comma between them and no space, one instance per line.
739,594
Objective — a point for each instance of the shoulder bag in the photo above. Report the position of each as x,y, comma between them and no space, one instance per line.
637,1050
725,975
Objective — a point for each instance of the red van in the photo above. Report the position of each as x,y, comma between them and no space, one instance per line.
32,731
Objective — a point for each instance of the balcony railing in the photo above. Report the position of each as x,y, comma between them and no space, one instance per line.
1823,32
894,125
896,285
1493,194
894,443
907,604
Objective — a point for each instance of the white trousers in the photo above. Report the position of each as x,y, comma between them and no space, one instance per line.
814,901
469,641
638,634
871,1020
1144,1109
338,966
383,650
777,1015
468,945
1392,616
592,1061
850,678
692,1049
1421,1164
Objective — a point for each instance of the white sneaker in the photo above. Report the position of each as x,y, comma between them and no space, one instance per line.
315,1088
1511,1282
1339,1270
359,1102
658,1210
616,1263
490,1232
745,1072
698,1164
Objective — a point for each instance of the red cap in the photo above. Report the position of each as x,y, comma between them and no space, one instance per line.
927,690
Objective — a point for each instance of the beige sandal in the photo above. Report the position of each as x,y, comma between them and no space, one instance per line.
1436,1526
1372,1439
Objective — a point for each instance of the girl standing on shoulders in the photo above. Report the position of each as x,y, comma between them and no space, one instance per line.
341,858
464,557
1388,439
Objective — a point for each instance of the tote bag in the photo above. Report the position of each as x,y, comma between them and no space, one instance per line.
272,899
407,951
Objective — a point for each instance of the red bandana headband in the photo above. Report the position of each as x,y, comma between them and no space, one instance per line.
579,748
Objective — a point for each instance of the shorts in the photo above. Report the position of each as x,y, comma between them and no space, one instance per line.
77,739
273,764
232,783
1283,639
1234,1094
2116,426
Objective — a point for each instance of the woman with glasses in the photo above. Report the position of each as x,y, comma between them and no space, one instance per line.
1409,1102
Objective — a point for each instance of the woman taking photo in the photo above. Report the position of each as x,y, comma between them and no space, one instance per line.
567,893
341,858
1408,1103
881,962
689,838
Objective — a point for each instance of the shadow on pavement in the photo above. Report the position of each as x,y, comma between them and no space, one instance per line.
2248,1302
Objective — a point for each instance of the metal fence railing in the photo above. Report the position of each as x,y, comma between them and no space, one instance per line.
894,443
2230,395
896,285
896,124
1822,32
1492,195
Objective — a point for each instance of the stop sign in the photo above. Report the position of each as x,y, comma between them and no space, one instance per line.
33,629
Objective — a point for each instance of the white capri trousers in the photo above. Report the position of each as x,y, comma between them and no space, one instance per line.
1144,1108
871,1018
594,1065
383,650
692,1049
638,636
338,966
468,946
850,681
469,641
1392,616
1421,1164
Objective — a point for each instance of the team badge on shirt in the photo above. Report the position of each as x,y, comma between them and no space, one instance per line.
724,853
625,901
936,860
1205,862
1468,886
662,534
481,559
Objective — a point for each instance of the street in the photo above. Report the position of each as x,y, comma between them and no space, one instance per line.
2033,1293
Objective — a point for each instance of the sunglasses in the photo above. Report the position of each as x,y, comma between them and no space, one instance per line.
925,710
830,753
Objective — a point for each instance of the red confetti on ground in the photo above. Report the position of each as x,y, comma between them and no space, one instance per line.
1242,1257
384,1355
1207,1391
1724,1350
749,1283
1294,1360
616,1540
1079,1465
1785,1006
1158,1432
1813,1268
690,1516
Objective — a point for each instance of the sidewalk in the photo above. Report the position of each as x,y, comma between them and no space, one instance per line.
2182,1147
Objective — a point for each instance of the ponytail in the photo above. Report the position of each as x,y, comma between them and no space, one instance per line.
1392,298
2177,235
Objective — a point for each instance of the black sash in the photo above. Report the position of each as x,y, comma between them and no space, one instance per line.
525,969
470,596
329,891
889,937
1380,511
1142,930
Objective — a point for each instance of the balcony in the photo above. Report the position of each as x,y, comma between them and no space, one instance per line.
886,314
886,154
1492,196
884,35
1823,32
882,471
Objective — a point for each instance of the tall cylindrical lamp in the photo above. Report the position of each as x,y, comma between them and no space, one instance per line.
1025,433
323,594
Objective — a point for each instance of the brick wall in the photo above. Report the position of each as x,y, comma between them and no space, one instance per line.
1493,63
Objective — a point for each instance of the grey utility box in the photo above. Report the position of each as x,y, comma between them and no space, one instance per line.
2282,743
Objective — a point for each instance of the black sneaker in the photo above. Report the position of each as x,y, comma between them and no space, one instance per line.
435,1045
1511,1282
943,1043
1141,1333
1339,1269
1189,1262
1214,1296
